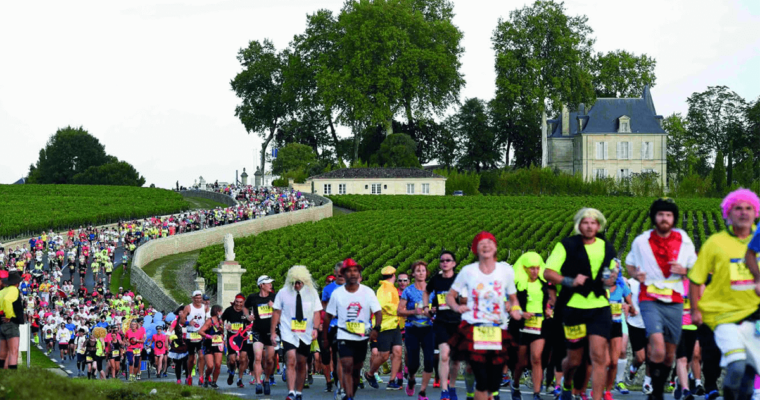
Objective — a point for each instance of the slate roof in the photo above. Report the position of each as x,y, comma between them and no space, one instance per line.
603,116
376,173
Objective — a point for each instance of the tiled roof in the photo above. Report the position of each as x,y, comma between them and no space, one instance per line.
376,173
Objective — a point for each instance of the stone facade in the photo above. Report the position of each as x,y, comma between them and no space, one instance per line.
401,186
163,247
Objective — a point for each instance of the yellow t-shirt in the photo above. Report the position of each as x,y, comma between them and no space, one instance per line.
387,295
535,297
595,253
730,297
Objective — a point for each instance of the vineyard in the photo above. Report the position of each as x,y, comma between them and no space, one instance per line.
397,230
28,209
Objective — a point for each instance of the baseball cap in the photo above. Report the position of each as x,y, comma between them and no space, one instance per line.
264,279
205,297
388,270
197,293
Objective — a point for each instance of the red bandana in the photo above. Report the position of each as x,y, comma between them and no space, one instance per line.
665,250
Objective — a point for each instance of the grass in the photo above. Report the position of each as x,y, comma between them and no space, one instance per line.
119,278
203,203
340,211
172,266
39,384
38,359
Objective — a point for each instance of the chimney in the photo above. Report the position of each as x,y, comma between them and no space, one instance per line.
582,109
580,123
565,121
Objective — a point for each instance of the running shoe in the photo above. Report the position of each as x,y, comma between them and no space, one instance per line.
516,395
687,395
631,375
361,381
607,395
621,388
712,395
310,379
410,387
298,397
437,383
290,396
557,391
240,383
647,388
259,389
536,396
445,395
189,381
306,385
677,392
422,396
393,385
205,385
200,380
670,387
179,382
505,380
272,381
378,378
214,385
371,380
230,377
328,387
453,393
267,389
699,390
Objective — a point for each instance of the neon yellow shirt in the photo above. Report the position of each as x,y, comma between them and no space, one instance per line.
730,297
535,297
596,256
387,295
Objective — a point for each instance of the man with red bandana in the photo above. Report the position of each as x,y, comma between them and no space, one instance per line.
660,259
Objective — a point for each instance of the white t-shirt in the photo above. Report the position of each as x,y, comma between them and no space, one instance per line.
285,301
353,309
486,294
635,321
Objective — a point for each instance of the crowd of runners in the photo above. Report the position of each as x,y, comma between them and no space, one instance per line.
560,324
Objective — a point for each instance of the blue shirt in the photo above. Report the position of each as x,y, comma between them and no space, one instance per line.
754,244
414,299
71,327
102,325
326,294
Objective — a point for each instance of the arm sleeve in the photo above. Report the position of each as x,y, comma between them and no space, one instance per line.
556,258
704,265
754,245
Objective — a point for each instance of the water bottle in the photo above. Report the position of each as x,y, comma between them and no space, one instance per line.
606,274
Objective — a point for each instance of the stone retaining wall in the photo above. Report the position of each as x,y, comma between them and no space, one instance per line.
185,242
206,194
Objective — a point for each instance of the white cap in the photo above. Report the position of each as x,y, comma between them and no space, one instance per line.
264,279
197,293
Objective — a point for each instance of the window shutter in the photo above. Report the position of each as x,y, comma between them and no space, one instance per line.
606,154
619,153
630,149
650,151
599,151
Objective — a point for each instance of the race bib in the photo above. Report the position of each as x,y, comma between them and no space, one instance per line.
665,295
575,333
80,351
217,340
617,311
194,336
236,326
741,277
88,358
298,326
486,338
357,328
442,302
250,337
265,311
533,325
115,353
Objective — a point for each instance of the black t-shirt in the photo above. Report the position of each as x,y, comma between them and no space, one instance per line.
237,319
438,287
260,308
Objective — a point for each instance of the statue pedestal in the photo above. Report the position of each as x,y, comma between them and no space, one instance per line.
200,284
227,282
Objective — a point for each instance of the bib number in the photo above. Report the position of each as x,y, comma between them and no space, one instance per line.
357,328
486,338
115,353
195,336
88,358
217,340
265,312
236,326
533,325
80,352
664,295
575,333
442,302
617,311
741,277
298,326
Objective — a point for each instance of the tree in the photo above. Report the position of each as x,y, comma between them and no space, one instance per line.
393,55
678,145
719,175
446,149
622,74
68,152
293,156
265,104
398,150
475,136
120,173
716,119
745,169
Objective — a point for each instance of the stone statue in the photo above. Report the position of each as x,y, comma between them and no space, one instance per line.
229,247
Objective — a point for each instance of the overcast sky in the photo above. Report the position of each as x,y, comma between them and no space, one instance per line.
150,79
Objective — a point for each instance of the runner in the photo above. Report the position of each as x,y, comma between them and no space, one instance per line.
114,355
213,346
620,307
297,314
660,259
193,318
178,348
135,336
236,322
388,342
419,329
161,345
259,343
445,323
80,344
579,263
534,298
63,336
330,332
11,315
482,339
353,305
685,351
729,305
638,338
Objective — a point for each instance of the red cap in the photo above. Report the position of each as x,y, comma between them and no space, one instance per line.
349,262
3,274
480,236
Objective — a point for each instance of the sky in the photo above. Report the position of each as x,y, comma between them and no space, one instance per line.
150,79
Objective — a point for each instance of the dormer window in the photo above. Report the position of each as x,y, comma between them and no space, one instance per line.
624,124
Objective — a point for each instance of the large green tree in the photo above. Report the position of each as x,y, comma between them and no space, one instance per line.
475,136
68,152
622,74
261,87
398,150
293,156
678,145
716,119
393,56
115,172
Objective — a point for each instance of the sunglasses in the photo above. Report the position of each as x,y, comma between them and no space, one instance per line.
403,280
446,260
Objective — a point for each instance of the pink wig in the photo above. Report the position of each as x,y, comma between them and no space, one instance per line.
737,196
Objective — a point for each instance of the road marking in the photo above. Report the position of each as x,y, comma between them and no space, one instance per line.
61,365
235,394
53,360
68,371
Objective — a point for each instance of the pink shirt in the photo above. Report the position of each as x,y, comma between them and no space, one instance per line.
139,334
160,344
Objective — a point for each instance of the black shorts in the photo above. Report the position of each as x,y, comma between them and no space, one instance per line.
617,330
209,348
63,346
356,349
262,337
637,337
686,344
248,349
194,347
387,339
487,376
580,323
303,349
443,331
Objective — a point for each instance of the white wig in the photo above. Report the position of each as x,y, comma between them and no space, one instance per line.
301,274
588,213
